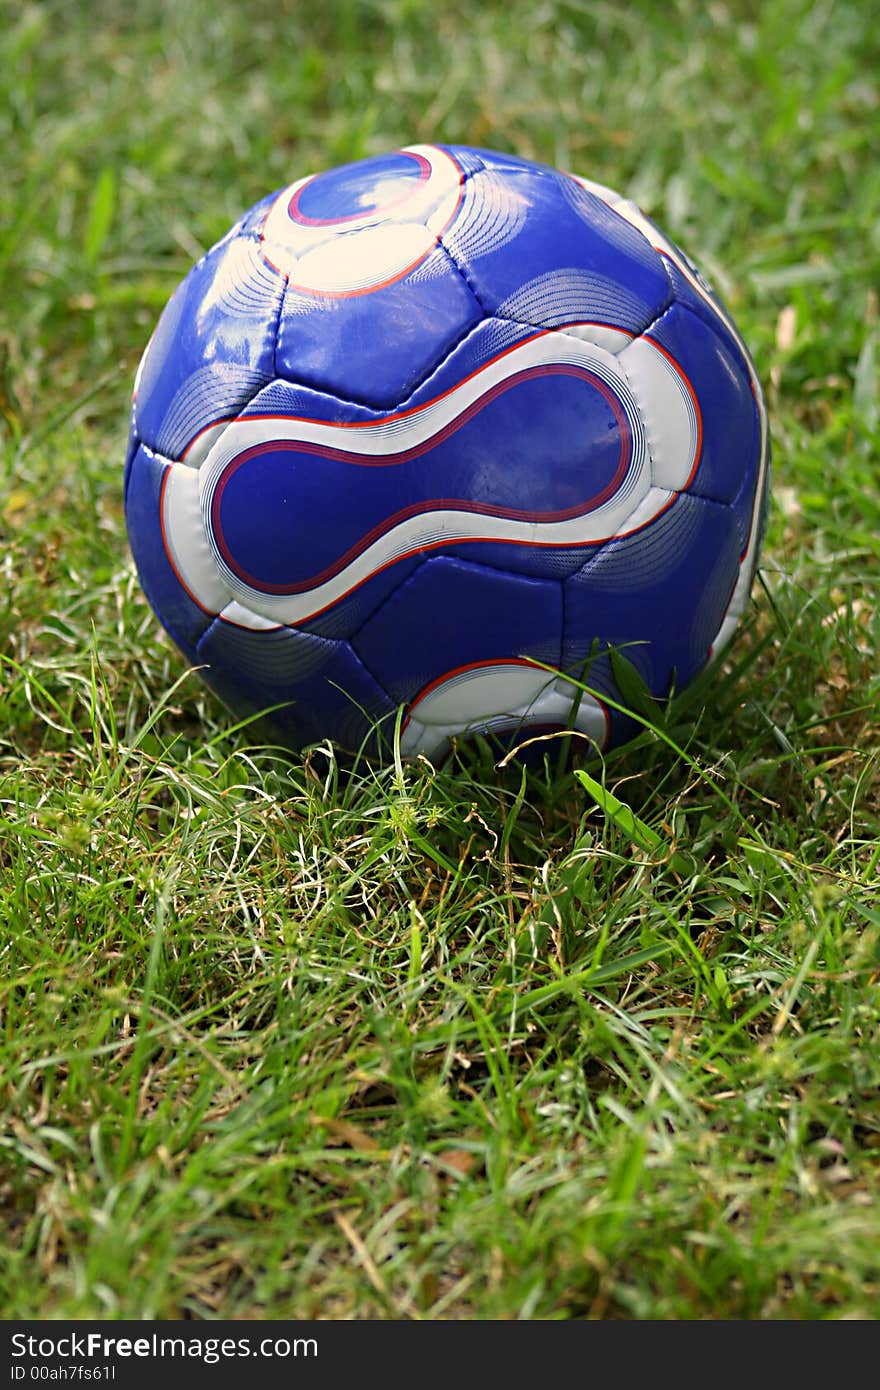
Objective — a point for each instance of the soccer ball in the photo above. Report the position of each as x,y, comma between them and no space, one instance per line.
424,436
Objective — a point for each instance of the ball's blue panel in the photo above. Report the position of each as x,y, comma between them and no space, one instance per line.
346,615
182,618
536,247
323,687
744,506
503,160
449,614
374,348
714,314
489,339
468,159
130,452
370,187
730,447
293,399
658,594
713,311
492,444
529,562
213,348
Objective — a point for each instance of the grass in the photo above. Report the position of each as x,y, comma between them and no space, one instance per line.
282,1040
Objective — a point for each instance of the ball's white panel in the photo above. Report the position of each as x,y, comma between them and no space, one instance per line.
504,698
601,190
185,540
655,501
738,601
397,436
612,340
312,253
416,738
356,261
725,632
238,616
668,409
202,445
283,237
740,597
476,694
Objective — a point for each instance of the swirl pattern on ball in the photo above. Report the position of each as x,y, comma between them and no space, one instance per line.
425,425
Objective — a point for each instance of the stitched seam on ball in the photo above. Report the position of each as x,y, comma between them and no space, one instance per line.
667,271
276,333
129,472
441,362
224,420
364,402
476,564
155,454
382,412
565,327
636,402
395,704
465,277
742,375
380,604
333,642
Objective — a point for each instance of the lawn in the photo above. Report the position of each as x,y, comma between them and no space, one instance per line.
285,1039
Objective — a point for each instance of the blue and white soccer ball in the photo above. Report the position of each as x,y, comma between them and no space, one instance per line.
424,425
